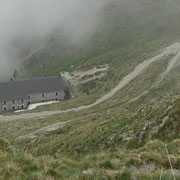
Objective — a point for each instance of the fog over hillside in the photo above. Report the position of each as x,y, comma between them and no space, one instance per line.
25,23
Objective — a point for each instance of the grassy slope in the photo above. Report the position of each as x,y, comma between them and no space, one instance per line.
91,130
101,155
104,130
144,163
102,141
128,34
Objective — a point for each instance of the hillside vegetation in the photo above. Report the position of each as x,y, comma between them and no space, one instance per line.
122,165
95,149
132,135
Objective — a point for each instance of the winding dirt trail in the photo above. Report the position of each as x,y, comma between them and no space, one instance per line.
171,50
171,65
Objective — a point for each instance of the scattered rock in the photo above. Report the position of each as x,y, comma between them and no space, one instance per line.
177,172
88,172
127,138
57,155
172,156
111,137
108,112
126,110
12,148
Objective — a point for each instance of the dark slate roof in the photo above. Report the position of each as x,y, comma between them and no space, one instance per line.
19,89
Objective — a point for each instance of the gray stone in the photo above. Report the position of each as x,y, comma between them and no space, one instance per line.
57,155
172,156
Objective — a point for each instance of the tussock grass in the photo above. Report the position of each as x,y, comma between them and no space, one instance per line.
143,163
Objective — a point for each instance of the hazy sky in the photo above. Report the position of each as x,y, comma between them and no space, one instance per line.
23,21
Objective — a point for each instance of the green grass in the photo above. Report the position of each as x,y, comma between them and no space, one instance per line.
143,163
93,145
116,139
107,126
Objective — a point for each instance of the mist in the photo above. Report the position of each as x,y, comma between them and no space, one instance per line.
26,23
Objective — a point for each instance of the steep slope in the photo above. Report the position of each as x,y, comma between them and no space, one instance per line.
173,50
118,125
140,83
128,31
132,164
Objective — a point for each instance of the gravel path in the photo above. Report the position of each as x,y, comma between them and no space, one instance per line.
171,65
171,50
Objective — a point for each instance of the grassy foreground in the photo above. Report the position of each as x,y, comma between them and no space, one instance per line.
148,162
71,153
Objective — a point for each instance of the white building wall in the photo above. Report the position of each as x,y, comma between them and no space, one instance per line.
18,104
34,98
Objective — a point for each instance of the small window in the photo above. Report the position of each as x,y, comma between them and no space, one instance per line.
4,102
43,100
13,101
29,96
29,102
18,107
5,108
13,108
43,95
56,93
56,99
22,106
22,100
